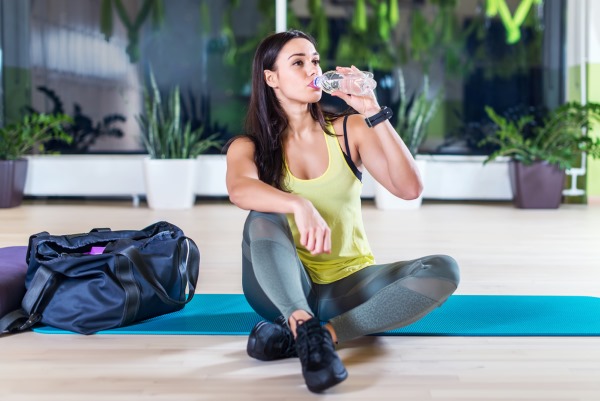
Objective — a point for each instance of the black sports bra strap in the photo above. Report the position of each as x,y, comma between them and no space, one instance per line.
347,155
346,139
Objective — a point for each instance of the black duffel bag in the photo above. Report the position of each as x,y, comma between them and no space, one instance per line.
105,279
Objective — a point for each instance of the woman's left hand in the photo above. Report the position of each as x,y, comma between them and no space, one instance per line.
366,105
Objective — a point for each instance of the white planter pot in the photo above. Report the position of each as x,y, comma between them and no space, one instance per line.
211,171
170,183
85,175
384,200
454,177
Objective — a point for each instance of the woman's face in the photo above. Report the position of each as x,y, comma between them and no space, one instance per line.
296,67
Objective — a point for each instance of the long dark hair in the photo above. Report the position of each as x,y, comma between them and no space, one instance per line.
266,120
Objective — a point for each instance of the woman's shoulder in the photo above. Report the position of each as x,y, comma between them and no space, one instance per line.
240,143
354,122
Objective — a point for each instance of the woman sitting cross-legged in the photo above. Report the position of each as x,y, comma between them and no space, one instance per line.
306,258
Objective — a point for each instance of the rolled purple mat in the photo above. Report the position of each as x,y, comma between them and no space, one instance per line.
13,268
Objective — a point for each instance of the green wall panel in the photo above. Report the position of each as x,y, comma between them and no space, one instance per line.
17,93
593,176
591,182
573,84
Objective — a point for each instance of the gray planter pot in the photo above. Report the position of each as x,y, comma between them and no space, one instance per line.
537,186
12,182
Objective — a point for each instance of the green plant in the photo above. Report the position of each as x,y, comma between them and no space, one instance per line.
30,133
163,132
240,52
559,140
133,27
414,115
368,39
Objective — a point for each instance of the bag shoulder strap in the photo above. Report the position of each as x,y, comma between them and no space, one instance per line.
18,321
39,293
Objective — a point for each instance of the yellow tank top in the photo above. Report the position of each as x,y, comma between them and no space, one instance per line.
336,195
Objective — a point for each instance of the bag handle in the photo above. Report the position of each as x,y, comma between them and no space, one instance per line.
30,245
188,266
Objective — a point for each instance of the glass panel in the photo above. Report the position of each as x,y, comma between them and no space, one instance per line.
474,53
92,59
74,70
504,54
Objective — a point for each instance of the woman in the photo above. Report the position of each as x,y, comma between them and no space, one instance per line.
306,257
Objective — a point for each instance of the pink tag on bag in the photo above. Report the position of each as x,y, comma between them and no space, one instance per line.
96,250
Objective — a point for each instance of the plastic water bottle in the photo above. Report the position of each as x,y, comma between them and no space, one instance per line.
353,83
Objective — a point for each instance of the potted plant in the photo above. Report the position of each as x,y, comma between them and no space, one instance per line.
539,158
414,116
19,139
172,146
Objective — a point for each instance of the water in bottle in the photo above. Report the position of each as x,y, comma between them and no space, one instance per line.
351,83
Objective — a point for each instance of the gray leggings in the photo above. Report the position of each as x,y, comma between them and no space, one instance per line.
374,299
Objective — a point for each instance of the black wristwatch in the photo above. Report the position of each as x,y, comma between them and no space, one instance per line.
385,114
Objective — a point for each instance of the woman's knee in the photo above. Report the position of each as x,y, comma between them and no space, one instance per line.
266,225
444,267
437,278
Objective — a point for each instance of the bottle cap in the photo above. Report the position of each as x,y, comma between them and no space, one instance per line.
316,83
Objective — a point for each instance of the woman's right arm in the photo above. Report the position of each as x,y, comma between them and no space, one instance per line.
248,192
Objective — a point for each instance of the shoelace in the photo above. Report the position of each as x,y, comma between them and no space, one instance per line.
312,344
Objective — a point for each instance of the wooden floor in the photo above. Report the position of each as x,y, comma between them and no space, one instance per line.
501,250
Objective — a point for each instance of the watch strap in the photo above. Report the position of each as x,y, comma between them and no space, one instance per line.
384,114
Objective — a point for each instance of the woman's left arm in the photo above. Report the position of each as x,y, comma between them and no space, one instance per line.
387,158
380,148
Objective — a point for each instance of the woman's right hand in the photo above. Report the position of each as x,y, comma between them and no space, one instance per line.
315,234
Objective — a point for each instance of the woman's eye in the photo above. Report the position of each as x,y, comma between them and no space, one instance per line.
316,62
299,62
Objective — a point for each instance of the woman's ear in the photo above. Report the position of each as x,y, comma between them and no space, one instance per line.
271,78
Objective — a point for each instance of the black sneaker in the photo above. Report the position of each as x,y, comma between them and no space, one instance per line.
270,341
321,366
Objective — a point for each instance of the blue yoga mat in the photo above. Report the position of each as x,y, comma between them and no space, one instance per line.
460,315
